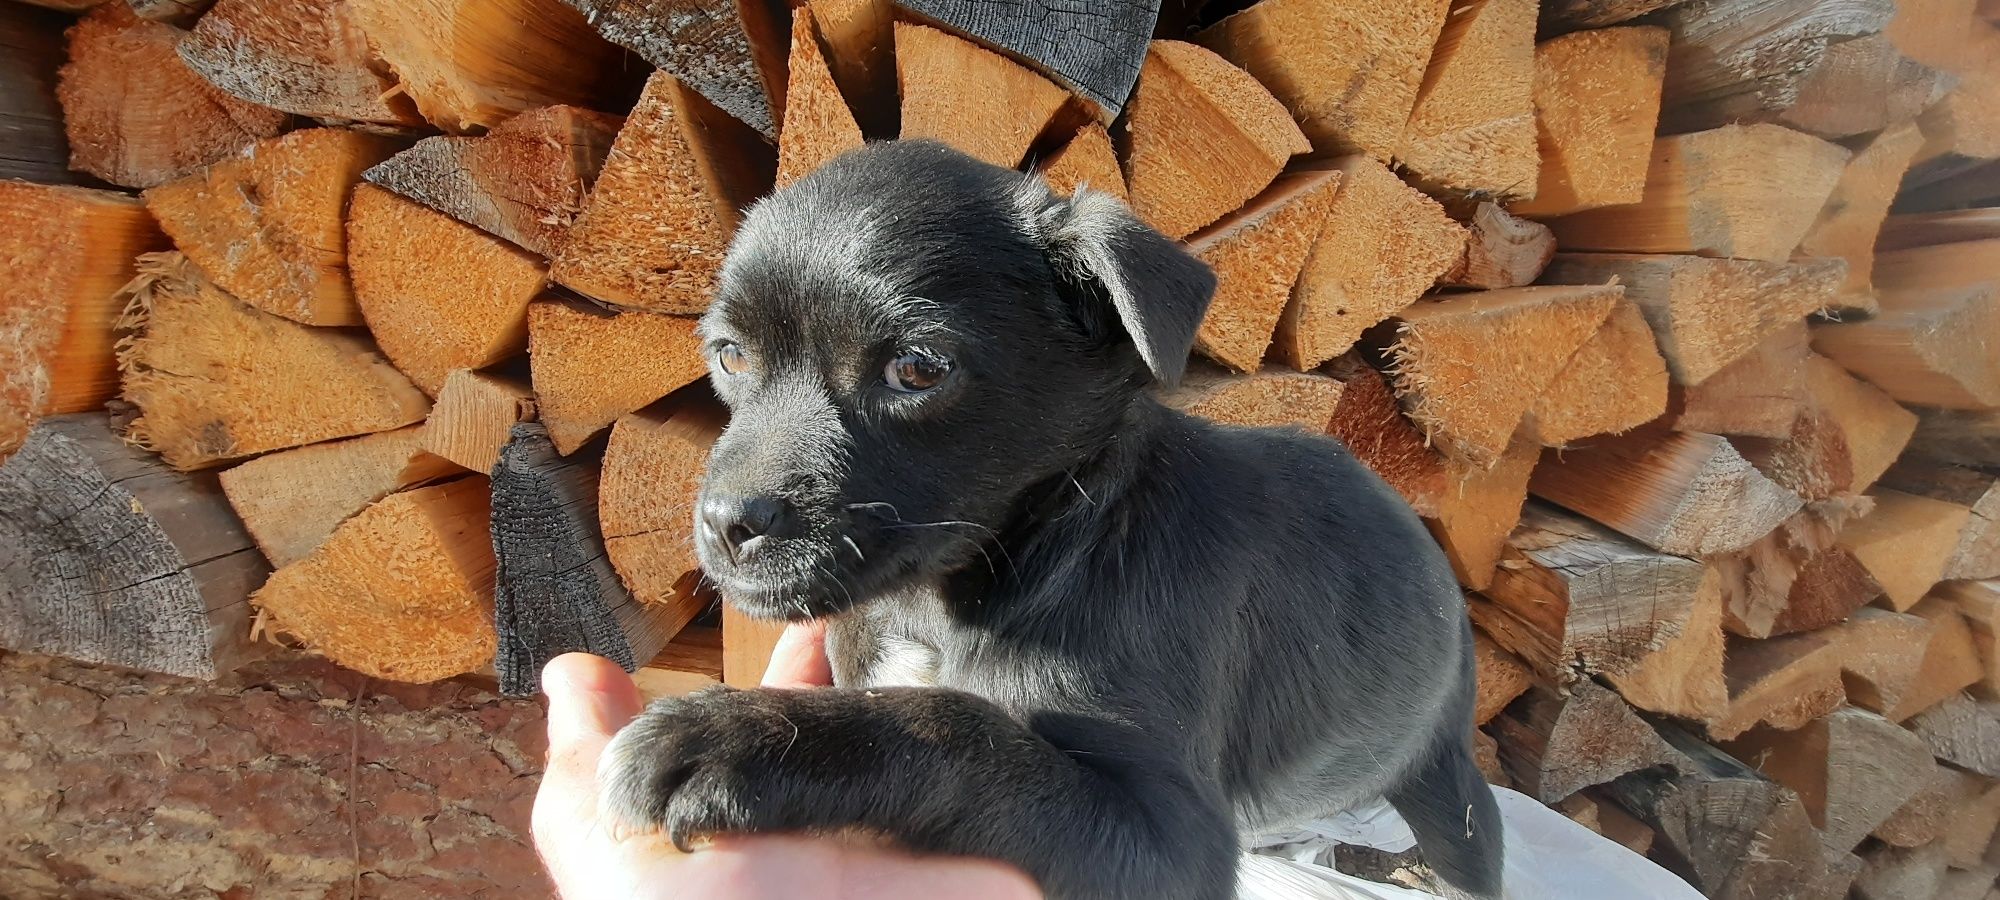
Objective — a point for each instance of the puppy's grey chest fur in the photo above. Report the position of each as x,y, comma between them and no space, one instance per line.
891,643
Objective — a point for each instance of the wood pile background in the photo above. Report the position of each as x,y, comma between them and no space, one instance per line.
365,327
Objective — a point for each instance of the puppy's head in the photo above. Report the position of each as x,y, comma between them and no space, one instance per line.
911,342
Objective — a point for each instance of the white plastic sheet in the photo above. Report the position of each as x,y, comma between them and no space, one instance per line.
1549,857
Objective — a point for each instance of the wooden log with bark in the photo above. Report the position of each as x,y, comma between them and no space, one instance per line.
470,65
1472,131
1203,137
974,99
1257,253
646,503
208,379
1684,493
1779,180
1707,313
308,57
1852,769
136,115
659,217
292,500
1470,366
523,181
555,591
1349,73
571,344
1554,744
474,416
428,617
438,295
1094,51
268,226
1260,399
113,558
1597,99
1347,284
64,254
31,53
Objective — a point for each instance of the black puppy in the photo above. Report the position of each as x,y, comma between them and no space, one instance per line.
1071,628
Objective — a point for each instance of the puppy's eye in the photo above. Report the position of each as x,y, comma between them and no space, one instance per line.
731,359
913,372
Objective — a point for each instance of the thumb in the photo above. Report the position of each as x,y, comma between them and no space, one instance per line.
590,698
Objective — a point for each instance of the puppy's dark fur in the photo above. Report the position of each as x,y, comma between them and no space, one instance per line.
1071,628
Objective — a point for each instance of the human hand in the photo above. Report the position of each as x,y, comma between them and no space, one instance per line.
590,698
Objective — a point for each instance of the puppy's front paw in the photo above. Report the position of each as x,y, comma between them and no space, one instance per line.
690,766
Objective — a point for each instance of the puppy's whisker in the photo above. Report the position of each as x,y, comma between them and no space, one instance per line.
851,545
890,506
976,544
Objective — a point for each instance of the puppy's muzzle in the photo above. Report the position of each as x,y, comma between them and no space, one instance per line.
738,528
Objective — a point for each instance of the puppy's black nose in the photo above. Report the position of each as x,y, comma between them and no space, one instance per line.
738,525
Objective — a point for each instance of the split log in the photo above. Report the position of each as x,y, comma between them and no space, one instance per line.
182,13
746,647
1604,817
1707,313
972,98
1087,160
1761,394
730,51
1978,553
1472,131
1904,231
1926,349
1893,873
1597,100
1499,676
1905,543
292,500
524,181
860,49
112,558
1921,820
1957,437
472,65
307,57
570,347
689,662
1554,745
1470,366
1731,832
1349,73
426,618
136,115
1735,61
1501,251
1614,383
555,591
1976,186
818,123
653,468
1783,682
1486,758
657,222
1477,507
1778,180
1257,253
213,380
1678,492
1570,597
1936,268
1348,283
1852,769
1574,15
1949,663
1971,820
1970,884
1259,399
474,416
1849,434
1979,603
1861,86
1934,32
1853,216
1963,128
1797,578
1094,51
31,52
1372,425
268,225
1684,676
1203,137
1962,731
64,253
437,294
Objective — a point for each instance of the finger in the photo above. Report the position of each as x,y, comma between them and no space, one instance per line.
799,659
590,698
772,867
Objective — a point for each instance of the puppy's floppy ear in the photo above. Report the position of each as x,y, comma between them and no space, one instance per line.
1158,291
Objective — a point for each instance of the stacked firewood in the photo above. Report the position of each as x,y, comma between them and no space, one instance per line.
366,328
